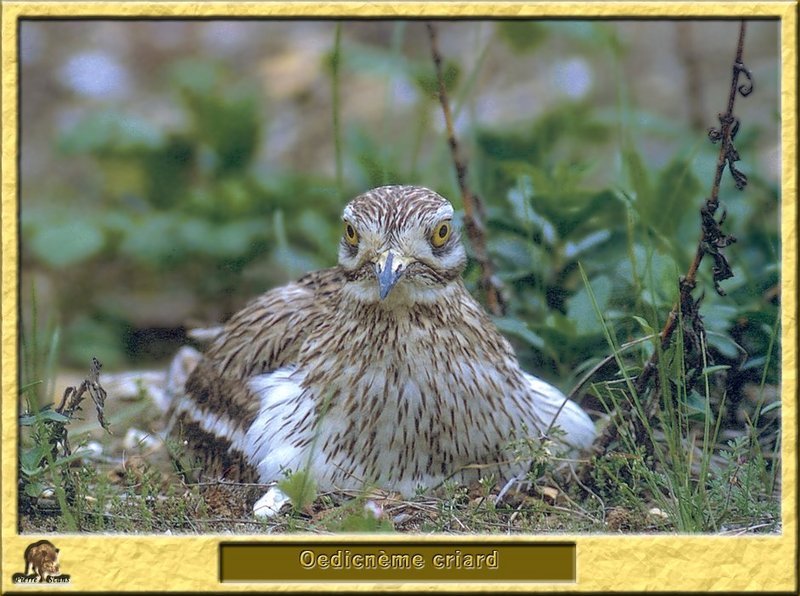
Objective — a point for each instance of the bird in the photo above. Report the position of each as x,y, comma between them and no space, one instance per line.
382,371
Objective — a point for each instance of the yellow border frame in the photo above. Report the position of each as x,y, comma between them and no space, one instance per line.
605,563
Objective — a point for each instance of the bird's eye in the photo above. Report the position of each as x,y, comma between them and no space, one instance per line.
350,234
440,234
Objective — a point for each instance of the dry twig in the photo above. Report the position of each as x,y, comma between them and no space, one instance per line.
71,402
712,241
474,214
712,238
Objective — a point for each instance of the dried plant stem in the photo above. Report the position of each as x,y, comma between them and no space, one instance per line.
473,207
72,398
711,241
687,284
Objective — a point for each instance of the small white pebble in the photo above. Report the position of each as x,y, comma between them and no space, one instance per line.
139,439
401,518
130,385
92,449
47,493
270,504
372,508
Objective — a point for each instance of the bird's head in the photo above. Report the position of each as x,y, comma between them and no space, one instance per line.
399,245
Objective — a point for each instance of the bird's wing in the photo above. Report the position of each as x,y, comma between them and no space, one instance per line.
217,406
268,332
553,407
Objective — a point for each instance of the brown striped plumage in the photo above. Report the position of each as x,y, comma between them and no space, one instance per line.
382,370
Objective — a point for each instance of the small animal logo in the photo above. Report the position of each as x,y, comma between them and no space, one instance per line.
41,565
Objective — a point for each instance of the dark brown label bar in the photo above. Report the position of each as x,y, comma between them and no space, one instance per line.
397,562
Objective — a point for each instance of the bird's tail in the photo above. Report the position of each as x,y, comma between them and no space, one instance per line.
556,410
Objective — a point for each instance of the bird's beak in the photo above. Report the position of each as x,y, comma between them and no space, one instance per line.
389,267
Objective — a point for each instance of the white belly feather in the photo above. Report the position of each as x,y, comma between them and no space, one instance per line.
432,437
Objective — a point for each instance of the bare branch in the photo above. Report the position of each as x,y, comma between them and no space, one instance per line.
473,206
71,402
712,241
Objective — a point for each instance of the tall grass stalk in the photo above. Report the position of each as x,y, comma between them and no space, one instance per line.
39,353
39,349
760,409
300,486
670,480
767,362
336,60
61,494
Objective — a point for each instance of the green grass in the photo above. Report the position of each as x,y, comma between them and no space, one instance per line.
700,485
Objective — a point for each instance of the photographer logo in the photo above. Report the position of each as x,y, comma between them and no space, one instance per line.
41,565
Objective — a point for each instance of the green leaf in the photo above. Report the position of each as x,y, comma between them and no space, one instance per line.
110,131
676,197
225,117
234,239
514,254
362,521
151,239
30,459
581,311
523,36
544,149
724,344
28,386
198,76
26,420
710,370
720,317
519,329
370,157
664,205
64,243
194,235
167,172
30,419
697,406
68,459
34,489
425,78
658,272
300,487
644,325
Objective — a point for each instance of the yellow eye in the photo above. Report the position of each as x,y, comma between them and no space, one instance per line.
350,234
441,233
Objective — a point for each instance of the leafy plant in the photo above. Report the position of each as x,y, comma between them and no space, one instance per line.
670,468
300,487
45,456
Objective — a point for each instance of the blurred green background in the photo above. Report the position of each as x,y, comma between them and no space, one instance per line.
172,170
